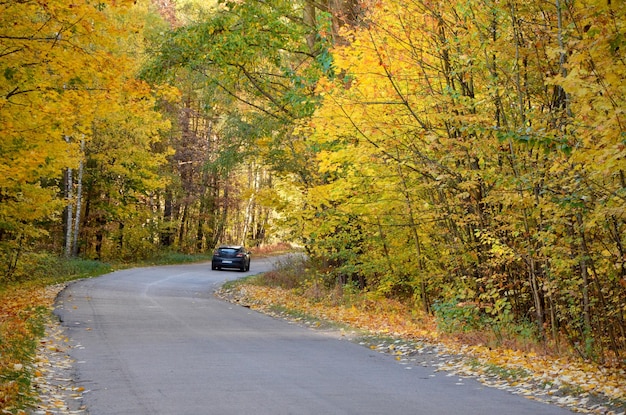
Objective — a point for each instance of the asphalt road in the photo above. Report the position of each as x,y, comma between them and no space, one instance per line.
155,340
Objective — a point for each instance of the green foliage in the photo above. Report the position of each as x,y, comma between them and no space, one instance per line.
454,316
48,268
289,273
246,73
249,51
169,258
252,66
507,373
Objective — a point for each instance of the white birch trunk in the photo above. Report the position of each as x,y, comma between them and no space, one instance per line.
79,200
69,213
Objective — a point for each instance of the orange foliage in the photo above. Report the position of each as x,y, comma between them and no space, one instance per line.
18,310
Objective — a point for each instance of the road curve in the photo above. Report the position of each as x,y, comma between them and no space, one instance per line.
156,340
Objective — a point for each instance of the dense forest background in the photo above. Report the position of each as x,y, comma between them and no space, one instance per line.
466,156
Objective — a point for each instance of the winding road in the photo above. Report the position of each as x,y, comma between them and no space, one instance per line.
156,340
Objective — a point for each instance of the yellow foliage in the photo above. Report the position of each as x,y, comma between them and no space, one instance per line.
66,66
508,119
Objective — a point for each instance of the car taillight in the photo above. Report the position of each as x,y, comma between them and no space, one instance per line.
239,255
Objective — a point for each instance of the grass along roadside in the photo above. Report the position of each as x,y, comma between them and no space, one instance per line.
389,327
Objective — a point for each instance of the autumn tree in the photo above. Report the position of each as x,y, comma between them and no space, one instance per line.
467,136
62,65
248,71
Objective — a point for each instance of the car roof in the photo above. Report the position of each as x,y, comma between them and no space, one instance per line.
230,247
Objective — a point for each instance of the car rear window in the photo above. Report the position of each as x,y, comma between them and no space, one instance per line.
228,251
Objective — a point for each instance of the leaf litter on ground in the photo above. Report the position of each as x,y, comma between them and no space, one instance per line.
53,373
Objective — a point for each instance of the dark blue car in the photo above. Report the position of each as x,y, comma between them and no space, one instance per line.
231,256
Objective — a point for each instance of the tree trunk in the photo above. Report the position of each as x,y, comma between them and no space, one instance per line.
253,182
182,227
584,272
79,200
69,214
166,234
311,22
